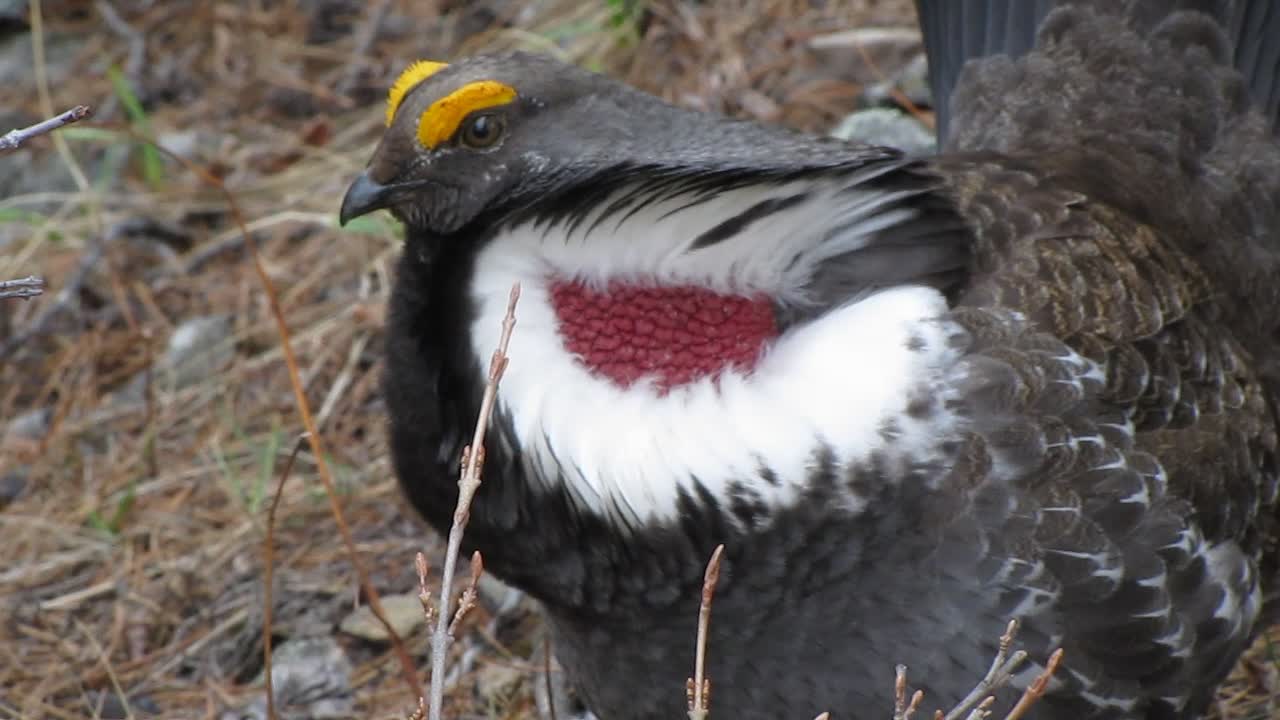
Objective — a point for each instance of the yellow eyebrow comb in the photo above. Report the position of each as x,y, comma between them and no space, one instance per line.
440,121
412,75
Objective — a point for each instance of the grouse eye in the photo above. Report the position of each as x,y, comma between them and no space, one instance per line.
483,131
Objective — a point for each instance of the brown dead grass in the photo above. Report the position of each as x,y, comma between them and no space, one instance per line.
132,558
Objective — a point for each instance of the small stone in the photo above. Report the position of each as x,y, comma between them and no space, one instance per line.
109,706
312,679
31,425
404,612
198,349
496,596
497,684
12,483
191,144
885,126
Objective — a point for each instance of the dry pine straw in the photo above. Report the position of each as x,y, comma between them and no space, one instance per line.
132,559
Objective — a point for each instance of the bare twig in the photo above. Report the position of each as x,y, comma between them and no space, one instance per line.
546,678
14,139
472,466
903,710
897,94
983,710
699,686
1002,668
268,571
978,704
21,288
1037,687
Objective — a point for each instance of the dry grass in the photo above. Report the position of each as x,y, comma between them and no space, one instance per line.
133,524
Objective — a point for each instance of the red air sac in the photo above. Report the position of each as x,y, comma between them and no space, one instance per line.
675,335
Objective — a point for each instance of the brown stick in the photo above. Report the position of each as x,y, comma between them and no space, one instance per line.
268,568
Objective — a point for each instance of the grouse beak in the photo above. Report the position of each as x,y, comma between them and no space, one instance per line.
363,197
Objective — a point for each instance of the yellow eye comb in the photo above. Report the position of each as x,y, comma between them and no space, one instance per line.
412,75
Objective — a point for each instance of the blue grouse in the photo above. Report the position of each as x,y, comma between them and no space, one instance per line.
1035,376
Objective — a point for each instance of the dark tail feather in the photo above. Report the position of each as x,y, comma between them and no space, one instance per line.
1254,30
956,31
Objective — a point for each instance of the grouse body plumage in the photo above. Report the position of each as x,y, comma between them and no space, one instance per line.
1035,376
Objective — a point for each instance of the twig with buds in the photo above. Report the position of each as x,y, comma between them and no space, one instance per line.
977,705
472,465
1002,668
698,687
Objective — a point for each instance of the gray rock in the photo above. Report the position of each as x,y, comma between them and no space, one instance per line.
312,679
13,13
31,425
498,684
60,51
404,612
886,126
198,348
12,483
500,598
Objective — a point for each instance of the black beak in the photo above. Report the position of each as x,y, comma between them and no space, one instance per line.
363,197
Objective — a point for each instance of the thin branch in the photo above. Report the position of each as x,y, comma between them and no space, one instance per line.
472,466
14,139
983,710
897,94
268,570
1002,668
1037,687
546,678
699,686
26,287
903,710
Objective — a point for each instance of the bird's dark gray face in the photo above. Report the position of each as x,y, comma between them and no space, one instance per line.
481,134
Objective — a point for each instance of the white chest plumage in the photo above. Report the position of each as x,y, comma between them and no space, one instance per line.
829,385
